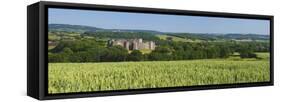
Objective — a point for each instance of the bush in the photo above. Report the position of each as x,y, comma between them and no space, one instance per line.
248,55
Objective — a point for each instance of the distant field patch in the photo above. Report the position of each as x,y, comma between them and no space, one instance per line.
263,55
164,37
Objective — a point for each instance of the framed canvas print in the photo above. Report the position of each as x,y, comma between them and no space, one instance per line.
83,50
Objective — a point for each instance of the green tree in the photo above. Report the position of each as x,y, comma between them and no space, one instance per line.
135,55
246,53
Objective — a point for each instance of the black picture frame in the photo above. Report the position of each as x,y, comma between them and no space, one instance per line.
37,67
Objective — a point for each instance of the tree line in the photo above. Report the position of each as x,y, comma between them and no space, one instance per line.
96,51
122,35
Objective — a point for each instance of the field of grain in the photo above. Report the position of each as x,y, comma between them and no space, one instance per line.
85,77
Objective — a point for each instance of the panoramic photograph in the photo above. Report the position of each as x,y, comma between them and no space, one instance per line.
92,51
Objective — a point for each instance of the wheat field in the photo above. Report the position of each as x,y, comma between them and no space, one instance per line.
85,77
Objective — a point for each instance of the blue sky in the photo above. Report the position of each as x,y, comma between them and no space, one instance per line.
159,22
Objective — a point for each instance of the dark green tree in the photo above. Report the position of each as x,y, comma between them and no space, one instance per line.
135,55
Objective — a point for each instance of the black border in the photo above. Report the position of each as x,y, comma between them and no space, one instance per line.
43,23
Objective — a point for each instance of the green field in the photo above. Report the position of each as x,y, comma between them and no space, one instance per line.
143,51
264,56
84,77
164,37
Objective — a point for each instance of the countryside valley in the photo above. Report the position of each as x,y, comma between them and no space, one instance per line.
99,59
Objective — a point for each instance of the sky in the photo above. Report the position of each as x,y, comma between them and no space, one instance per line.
158,22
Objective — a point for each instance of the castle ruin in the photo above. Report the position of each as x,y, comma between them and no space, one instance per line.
132,44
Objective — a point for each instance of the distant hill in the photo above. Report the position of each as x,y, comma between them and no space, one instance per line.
82,29
202,36
246,36
72,28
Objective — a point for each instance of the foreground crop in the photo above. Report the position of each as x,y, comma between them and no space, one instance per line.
85,77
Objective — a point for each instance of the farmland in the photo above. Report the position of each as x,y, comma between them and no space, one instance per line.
87,59
85,77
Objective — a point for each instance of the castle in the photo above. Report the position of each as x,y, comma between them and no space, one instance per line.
132,44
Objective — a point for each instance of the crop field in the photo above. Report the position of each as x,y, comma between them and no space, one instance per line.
85,77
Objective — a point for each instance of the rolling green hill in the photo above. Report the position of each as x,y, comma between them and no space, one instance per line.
72,28
184,37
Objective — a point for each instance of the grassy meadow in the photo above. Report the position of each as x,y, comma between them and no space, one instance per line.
85,77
